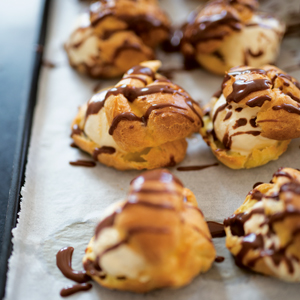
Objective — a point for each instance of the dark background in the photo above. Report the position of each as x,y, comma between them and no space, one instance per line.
19,29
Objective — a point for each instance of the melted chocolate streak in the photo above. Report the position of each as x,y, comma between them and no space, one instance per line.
131,93
83,163
196,32
253,241
64,263
196,168
216,229
65,292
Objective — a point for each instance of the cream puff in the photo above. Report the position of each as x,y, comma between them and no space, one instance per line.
116,35
141,123
252,119
264,233
227,33
156,238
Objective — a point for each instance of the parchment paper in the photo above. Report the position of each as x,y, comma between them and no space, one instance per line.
61,203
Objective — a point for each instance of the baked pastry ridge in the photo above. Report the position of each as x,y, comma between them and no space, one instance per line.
141,123
252,119
116,35
156,238
264,233
227,33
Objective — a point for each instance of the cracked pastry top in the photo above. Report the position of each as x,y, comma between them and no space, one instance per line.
141,123
252,119
156,238
229,33
116,35
264,233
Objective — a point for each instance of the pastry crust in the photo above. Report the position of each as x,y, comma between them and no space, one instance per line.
116,35
167,241
263,234
142,122
225,34
266,98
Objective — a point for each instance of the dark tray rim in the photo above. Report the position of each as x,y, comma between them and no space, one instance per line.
21,150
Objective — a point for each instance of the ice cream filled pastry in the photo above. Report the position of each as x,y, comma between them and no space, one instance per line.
225,33
116,35
252,119
264,233
141,123
156,238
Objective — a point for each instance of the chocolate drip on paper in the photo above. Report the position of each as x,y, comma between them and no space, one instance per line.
83,163
219,259
68,291
216,229
196,168
64,263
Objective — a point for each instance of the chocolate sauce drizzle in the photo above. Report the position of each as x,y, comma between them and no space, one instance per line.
196,168
196,32
240,122
137,197
68,291
83,163
254,241
287,107
131,93
104,149
242,89
216,229
64,263
227,140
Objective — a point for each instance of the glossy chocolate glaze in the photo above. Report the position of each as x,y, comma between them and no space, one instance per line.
195,168
287,107
258,101
139,23
216,229
196,32
242,89
64,263
141,70
68,291
83,163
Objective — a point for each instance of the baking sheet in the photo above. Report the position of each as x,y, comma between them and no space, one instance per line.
61,204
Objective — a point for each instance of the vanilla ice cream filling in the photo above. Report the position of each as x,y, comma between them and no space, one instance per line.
119,261
255,45
96,128
243,143
83,44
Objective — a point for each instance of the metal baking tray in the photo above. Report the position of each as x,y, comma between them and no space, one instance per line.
22,142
